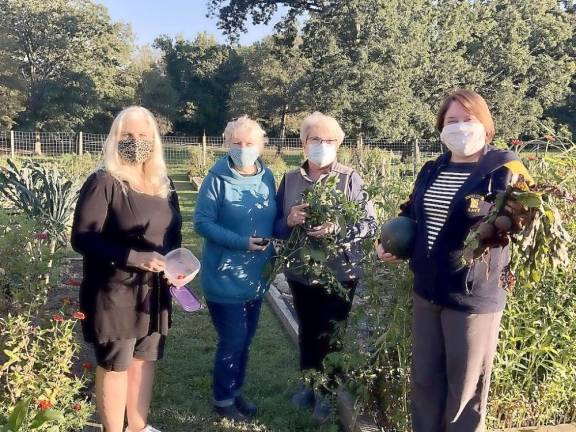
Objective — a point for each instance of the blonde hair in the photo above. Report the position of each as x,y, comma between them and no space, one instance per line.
316,118
474,104
154,168
245,123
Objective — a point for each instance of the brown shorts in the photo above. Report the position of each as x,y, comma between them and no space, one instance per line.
118,355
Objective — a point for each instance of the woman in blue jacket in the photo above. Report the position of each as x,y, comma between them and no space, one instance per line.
456,310
235,213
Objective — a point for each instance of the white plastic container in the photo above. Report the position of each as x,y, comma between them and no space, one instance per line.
181,267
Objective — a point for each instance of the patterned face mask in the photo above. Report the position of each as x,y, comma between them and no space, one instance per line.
134,150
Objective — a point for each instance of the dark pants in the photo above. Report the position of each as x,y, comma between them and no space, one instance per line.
236,324
319,314
452,356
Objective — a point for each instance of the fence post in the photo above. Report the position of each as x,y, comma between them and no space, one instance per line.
12,145
359,141
80,143
204,150
416,158
37,145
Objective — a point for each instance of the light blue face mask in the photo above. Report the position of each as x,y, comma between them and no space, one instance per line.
244,156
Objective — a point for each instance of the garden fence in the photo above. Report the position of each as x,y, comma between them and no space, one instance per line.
177,148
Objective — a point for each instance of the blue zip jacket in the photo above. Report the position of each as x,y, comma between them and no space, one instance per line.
439,276
230,209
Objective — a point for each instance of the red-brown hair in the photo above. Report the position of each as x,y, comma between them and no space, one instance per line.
474,104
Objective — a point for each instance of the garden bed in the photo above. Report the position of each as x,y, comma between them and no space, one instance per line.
280,300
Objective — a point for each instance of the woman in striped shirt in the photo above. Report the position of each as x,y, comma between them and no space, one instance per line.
456,310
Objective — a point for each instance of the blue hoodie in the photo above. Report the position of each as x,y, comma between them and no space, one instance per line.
230,209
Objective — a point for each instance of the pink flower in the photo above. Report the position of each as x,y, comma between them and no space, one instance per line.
41,236
73,282
517,142
79,315
57,317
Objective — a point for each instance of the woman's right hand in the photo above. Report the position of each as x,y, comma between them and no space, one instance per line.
147,261
255,244
297,215
385,256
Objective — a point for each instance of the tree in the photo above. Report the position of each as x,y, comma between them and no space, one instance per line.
270,86
383,67
72,58
201,72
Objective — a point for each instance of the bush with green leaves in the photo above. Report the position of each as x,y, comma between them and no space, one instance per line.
26,263
43,193
36,360
199,165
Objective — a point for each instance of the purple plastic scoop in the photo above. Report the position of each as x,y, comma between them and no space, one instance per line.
185,299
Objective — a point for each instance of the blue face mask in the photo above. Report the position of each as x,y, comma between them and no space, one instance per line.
244,156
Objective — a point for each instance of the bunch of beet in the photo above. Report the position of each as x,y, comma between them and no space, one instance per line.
527,218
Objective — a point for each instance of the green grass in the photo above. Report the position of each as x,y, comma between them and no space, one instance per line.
182,398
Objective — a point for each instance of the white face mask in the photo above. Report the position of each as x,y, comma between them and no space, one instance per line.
322,154
464,138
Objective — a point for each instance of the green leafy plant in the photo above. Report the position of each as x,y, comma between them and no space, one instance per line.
43,193
36,360
310,256
26,258
19,418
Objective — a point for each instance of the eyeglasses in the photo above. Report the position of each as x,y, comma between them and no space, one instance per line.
317,140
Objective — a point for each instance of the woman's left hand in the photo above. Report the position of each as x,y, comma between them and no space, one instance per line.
324,230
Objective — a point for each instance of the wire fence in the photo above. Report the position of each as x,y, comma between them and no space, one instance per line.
178,149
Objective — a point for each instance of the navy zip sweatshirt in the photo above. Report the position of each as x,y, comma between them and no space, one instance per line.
439,276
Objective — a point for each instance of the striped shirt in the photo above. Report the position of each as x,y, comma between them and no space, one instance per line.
439,196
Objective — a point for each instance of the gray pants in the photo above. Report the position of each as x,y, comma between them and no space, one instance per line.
452,358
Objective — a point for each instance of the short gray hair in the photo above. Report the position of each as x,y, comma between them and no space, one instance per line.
243,122
316,118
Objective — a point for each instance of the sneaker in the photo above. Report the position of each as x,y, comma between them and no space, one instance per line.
303,398
245,407
230,412
322,409
146,429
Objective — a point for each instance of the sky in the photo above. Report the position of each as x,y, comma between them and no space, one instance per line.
151,18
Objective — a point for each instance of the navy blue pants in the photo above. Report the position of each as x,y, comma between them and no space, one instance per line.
236,325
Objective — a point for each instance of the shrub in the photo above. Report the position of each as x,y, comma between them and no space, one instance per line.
26,256
36,358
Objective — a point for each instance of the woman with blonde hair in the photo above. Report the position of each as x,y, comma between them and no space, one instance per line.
127,218
235,214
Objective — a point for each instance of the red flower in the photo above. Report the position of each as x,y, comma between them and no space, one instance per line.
73,282
79,315
87,366
44,405
532,158
76,407
517,142
41,236
57,317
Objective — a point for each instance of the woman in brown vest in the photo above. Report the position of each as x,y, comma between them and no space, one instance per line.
318,310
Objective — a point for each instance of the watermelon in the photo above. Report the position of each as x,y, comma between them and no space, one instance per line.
398,236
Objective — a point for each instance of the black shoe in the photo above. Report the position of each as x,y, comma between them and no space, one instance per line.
245,407
303,398
230,412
